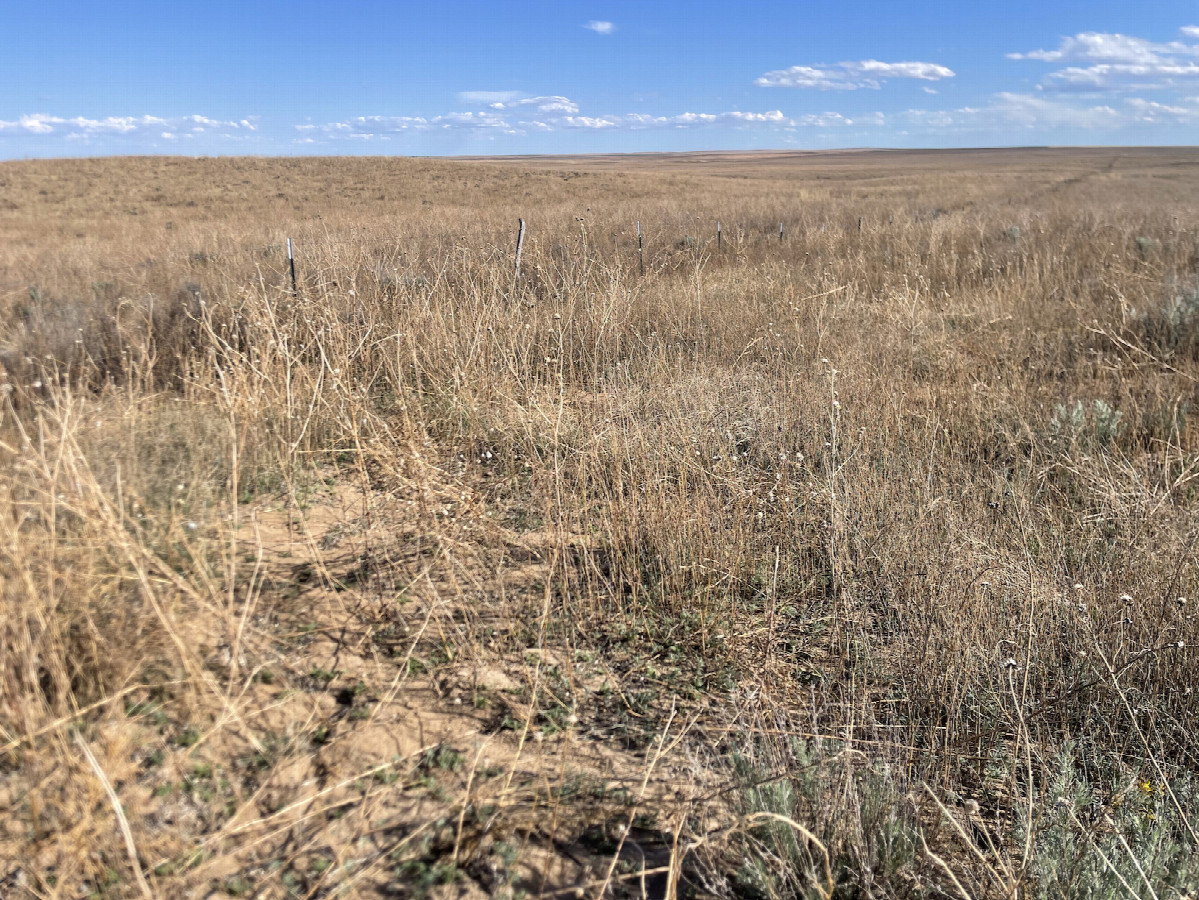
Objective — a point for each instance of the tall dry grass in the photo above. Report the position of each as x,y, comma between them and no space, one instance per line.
926,490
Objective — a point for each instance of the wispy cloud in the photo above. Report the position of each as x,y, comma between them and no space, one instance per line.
1123,77
368,127
1120,62
133,126
1151,112
600,27
1013,110
541,104
1041,113
848,76
502,100
482,98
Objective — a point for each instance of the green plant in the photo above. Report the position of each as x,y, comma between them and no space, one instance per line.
1099,424
817,825
1101,839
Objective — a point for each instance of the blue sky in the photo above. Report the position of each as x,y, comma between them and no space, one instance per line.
431,78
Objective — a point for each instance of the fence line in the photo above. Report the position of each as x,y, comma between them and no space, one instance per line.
291,273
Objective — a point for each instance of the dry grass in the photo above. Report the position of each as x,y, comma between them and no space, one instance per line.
846,565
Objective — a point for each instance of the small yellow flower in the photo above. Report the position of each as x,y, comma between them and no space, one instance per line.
1146,787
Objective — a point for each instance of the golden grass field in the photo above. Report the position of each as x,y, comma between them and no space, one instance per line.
854,564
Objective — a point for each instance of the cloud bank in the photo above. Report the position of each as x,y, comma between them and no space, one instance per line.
542,114
170,128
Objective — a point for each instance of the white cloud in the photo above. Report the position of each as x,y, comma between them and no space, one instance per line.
367,127
848,76
1119,62
135,126
1122,76
834,120
589,122
600,27
804,76
1096,45
542,104
482,98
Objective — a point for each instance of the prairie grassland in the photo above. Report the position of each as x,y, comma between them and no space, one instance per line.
853,563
